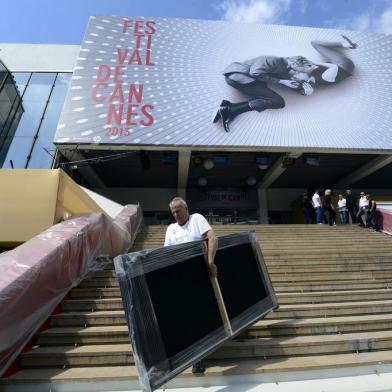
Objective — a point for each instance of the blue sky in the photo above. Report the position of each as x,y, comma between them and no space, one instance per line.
64,21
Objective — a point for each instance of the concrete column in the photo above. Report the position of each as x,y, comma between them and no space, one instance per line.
263,205
184,158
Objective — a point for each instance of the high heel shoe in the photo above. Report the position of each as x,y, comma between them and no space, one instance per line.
218,114
225,114
351,43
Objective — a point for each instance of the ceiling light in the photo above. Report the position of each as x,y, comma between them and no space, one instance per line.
202,181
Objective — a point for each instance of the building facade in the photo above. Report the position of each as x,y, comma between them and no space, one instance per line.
245,175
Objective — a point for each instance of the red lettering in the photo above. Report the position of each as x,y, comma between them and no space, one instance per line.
117,93
138,43
148,115
114,113
150,24
136,93
118,72
94,92
103,73
130,114
138,26
149,41
148,58
121,55
135,57
126,25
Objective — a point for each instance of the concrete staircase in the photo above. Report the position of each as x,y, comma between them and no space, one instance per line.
334,287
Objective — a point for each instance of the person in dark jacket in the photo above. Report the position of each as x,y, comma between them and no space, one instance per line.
352,205
307,209
329,208
250,77
371,218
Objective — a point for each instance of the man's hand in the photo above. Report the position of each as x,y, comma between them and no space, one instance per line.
306,88
213,270
290,83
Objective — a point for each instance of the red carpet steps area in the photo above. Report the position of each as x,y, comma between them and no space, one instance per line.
334,287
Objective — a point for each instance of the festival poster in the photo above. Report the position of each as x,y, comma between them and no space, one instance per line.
180,82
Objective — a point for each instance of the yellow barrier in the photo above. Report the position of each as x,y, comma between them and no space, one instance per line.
31,201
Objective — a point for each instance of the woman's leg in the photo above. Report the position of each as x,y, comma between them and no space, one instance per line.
261,98
331,52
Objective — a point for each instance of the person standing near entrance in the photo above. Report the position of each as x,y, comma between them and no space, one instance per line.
316,201
342,206
351,204
328,207
307,209
363,208
371,218
187,228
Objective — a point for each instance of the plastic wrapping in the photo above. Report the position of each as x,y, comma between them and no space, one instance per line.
177,314
35,276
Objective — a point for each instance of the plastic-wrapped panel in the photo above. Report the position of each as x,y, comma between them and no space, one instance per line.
177,314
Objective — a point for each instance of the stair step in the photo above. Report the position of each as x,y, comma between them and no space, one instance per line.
374,269
319,325
113,317
342,268
326,256
112,334
99,282
327,276
299,287
214,368
121,354
88,355
95,293
334,296
92,304
263,328
331,309
305,345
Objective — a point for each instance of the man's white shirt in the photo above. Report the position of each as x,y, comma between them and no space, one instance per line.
193,230
363,202
342,205
316,200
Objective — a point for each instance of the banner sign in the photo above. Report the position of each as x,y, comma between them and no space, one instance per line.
172,82
223,199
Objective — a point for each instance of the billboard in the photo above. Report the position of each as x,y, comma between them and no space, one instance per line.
176,82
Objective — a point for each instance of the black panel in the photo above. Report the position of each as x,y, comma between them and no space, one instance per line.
184,303
239,278
172,312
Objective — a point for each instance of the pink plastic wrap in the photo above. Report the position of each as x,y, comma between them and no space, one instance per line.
35,276
385,220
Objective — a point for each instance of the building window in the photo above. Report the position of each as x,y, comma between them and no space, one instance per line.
10,110
43,95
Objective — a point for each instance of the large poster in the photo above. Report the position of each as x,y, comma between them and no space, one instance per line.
151,81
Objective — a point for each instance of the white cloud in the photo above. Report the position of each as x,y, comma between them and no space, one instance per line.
385,22
361,23
255,11
380,23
